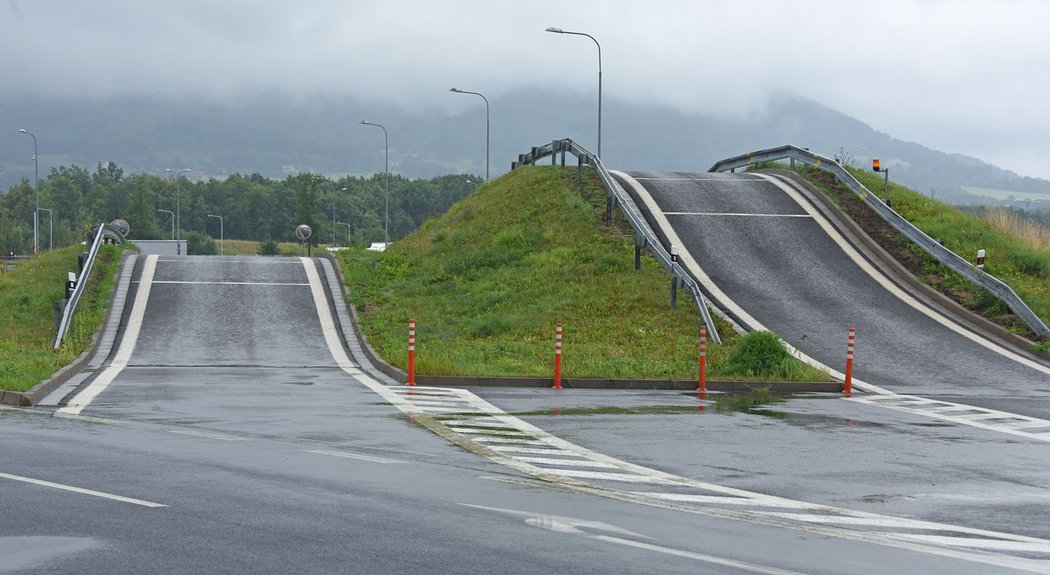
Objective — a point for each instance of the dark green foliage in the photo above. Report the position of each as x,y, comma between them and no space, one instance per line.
268,247
758,353
199,244
253,207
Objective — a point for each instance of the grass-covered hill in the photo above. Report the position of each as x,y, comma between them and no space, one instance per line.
488,281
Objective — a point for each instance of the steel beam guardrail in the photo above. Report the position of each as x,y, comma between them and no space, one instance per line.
629,210
955,262
104,232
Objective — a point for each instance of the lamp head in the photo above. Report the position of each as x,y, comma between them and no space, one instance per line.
23,130
555,30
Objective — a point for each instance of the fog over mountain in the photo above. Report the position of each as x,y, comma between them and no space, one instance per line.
276,136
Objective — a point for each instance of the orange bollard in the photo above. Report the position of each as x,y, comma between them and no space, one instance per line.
557,357
702,384
411,353
848,384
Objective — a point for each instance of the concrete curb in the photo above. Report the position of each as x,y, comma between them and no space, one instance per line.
43,389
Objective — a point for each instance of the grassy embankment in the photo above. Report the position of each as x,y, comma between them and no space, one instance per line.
1017,252
27,296
488,281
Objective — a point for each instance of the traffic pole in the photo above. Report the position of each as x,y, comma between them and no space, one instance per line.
848,384
411,353
557,357
702,384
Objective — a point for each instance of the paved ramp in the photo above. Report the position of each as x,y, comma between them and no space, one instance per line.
769,251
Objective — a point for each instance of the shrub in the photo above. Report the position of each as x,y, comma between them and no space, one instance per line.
758,353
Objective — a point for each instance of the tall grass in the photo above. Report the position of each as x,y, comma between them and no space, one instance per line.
1029,232
27,296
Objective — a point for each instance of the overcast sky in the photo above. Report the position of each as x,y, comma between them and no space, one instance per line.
968,76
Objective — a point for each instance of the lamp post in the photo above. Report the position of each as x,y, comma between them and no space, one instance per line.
386,172
50,228
172,214
458,91
333,216
178,207
347,231
36,188
222,251
560,31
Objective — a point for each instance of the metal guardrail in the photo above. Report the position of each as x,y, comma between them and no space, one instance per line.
955,262
105,232
641,226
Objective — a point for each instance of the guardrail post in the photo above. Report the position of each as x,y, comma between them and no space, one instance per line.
608,209
639,243
554,152
674,277
579,169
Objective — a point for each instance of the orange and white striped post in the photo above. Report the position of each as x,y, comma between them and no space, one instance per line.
848,384
411,353
702,384
557,357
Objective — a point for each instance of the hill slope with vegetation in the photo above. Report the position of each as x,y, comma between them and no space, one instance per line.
488,281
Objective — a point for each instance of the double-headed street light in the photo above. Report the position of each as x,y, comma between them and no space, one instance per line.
347,230
36,187
178,206
222,251
458,91
172,214
386,172
560,31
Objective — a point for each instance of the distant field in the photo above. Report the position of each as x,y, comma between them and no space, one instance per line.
1005,194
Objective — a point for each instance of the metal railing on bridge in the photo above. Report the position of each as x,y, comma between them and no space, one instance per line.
953,261
645,233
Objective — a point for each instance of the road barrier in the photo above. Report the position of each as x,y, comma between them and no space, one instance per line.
702,383
847,385
411,380
955,262
557,357
103,233
645,233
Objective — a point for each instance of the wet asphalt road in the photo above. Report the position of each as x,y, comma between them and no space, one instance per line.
270,459
761,248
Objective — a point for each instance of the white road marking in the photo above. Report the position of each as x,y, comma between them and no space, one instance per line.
979,417
207,435
348,455
82,491
566,462
718,500
805,216
702,557
127,344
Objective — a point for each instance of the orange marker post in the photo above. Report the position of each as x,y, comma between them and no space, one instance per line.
702,384
848,384
557,357
411,353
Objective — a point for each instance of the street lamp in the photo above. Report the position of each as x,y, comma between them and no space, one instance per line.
222,252
172,214
1028,203
333,217
347,230
36,188
50,228
458,91
386,172
560,31
178,206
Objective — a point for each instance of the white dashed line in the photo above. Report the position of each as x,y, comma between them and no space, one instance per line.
82,491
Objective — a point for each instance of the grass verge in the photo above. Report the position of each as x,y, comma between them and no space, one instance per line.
488,281
27,296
